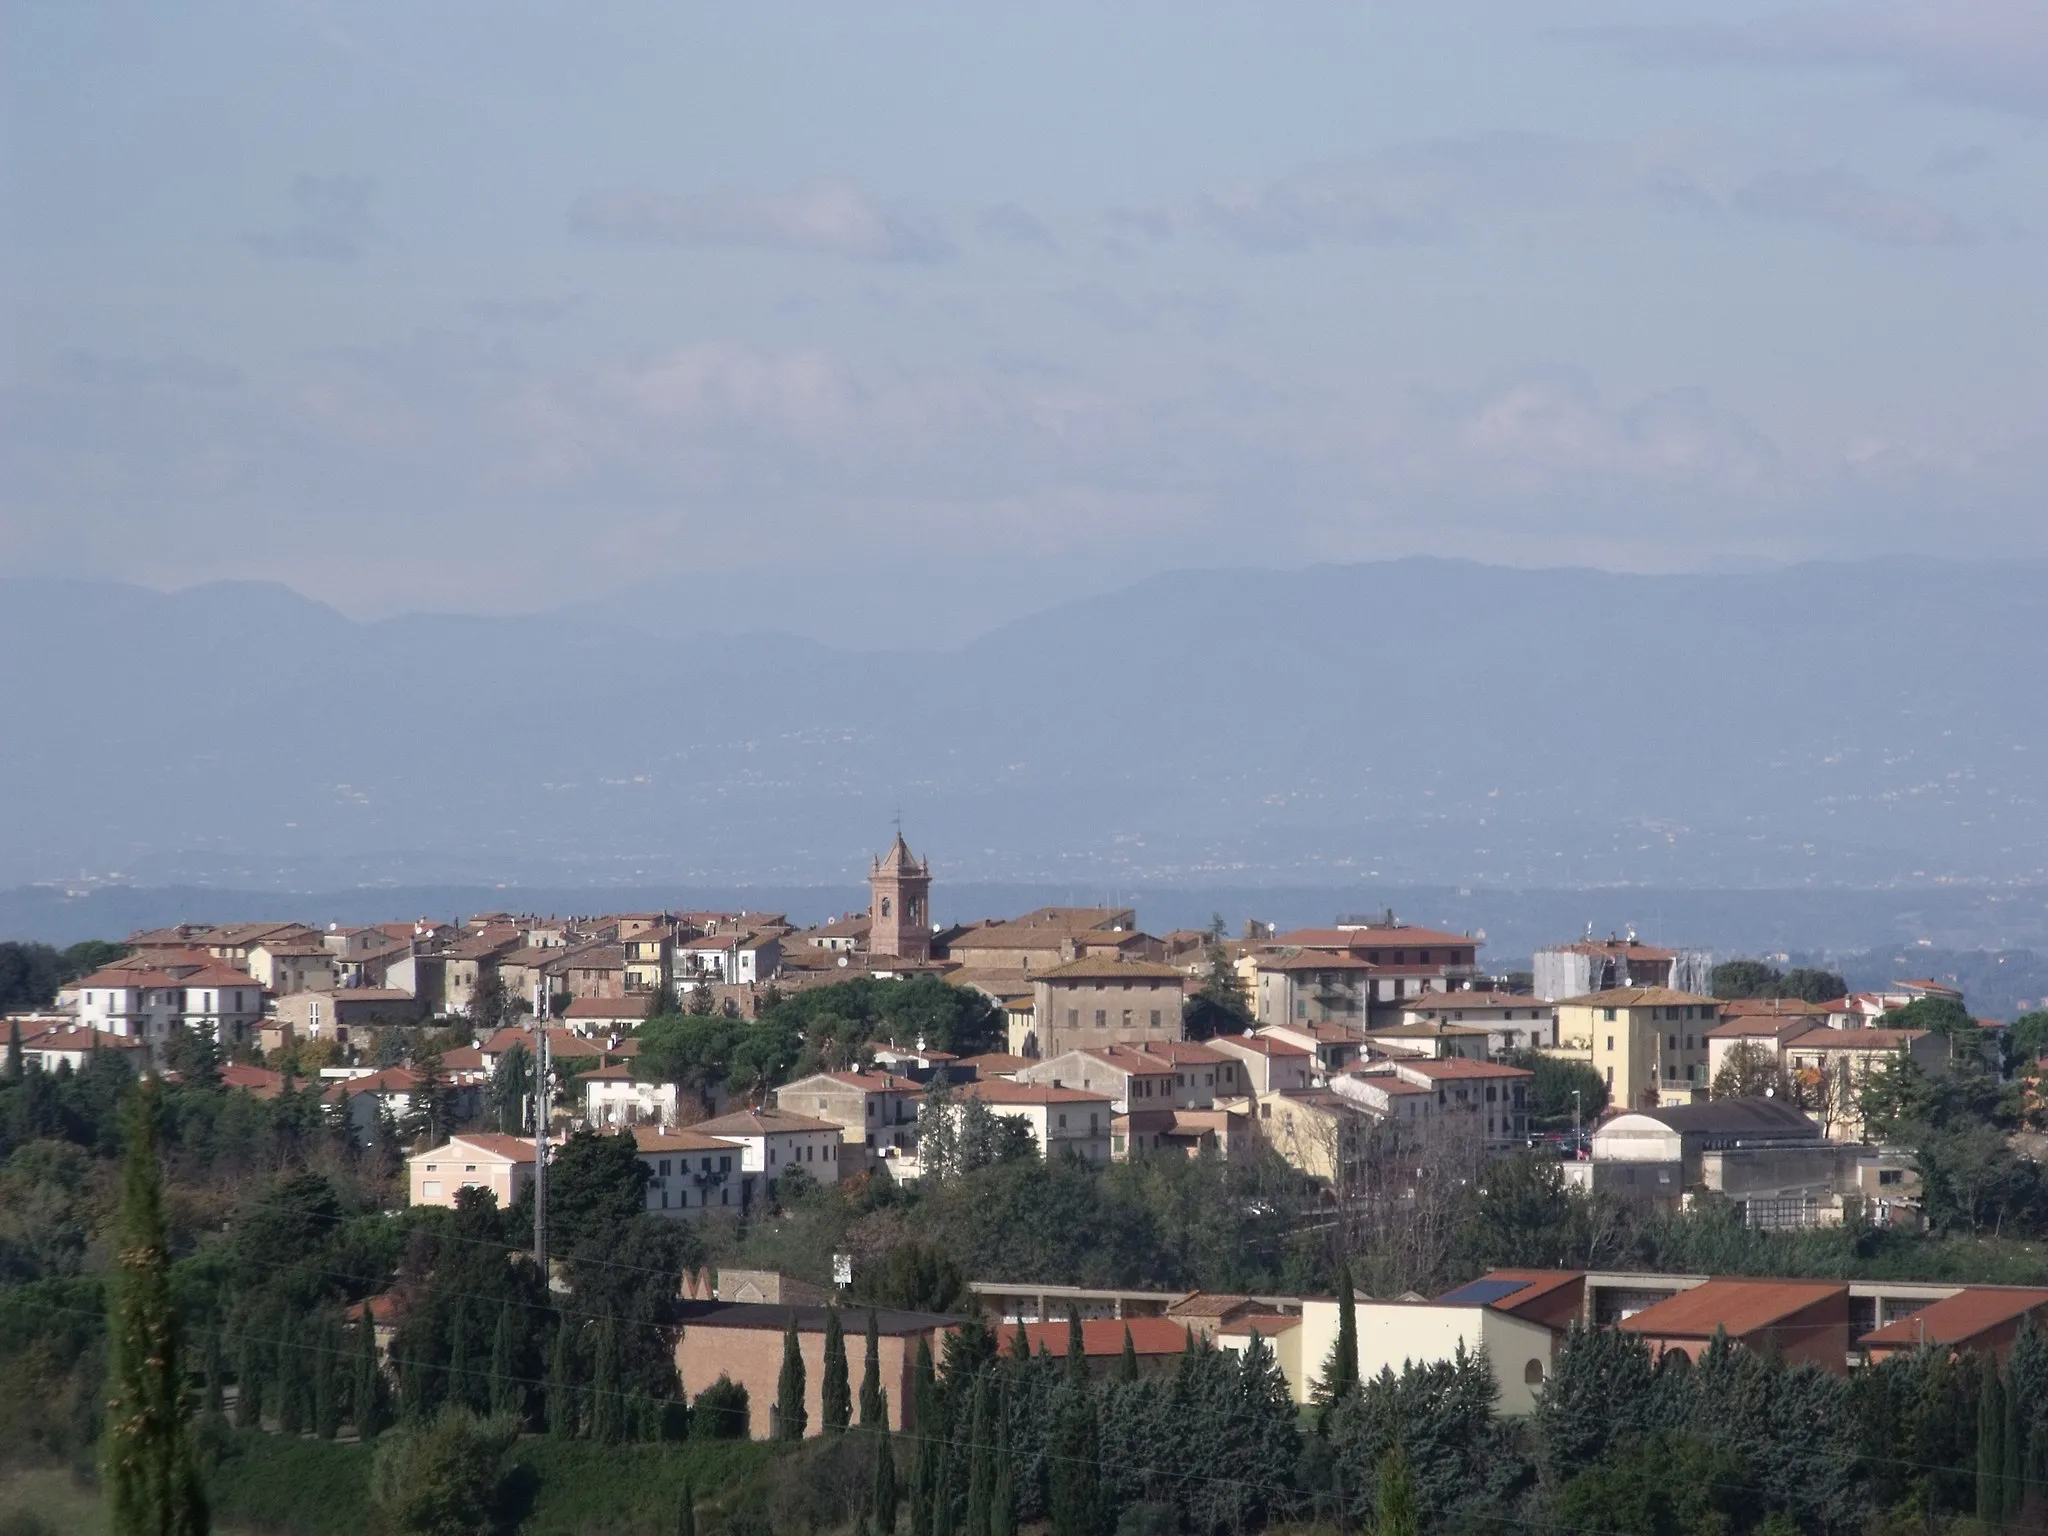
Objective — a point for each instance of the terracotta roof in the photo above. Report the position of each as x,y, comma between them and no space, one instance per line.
1265,1324
1454,1067
1437,1031
1737,1306
1103,968
1264,1045
1821,1038
998,1090
1399,937
389,1080
1959,1318
260,1081
1103,1336
762,1122
688,1139
634,1007
1636,997
1607,948
518,1149
1775,1007
992,1063
1311,960
1761,1027
1533,1285
1465,999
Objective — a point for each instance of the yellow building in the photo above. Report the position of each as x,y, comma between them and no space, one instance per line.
1649,1044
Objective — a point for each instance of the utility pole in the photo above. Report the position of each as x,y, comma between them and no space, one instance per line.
540,1130
1578,1144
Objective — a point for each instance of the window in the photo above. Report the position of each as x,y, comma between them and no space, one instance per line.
1674,1042
1688,1042
1073,1018
1102,1018
1610,1077
1063,1121
1155,1018
1607,1016
1610,1042
1532,1374
430,1189
1127,1018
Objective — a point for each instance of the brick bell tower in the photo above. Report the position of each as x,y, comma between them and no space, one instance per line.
899,906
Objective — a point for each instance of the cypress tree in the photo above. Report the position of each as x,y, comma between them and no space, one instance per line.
835,1405
456,1388
1127,1367
290,1382
326,1384
561,1407
1076,1458
923,1474
882,1503
1340,1372
216,1372
1077,1347
1002,1504
508,1396
147,1467
2013,1442
686,1510
368,1403
981,1464
607,1409
924,1390
248,1381
874,1413
1991,1449
1395,1509
2027,1383
16,1064
942,1489
791,1417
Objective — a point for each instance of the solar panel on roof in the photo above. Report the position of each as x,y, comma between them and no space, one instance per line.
1482,1293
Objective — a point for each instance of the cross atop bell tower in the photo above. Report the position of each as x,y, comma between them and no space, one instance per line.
899,906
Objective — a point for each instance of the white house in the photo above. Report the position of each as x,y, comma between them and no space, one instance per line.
772,1141
689,1174
149,1002
612,1097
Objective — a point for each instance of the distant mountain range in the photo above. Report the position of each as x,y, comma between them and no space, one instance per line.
1419,721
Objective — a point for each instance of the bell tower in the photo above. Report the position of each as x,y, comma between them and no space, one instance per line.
899,904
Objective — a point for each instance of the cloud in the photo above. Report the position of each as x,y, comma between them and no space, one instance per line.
1444,189
1991,53
1843,201
1206,312
331,222
1007,224
827,219
534,311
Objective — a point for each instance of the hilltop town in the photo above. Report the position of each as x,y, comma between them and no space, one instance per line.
786,1132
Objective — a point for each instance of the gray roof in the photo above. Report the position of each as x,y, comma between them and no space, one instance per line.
1734,1117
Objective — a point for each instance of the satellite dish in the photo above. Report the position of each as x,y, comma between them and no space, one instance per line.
842,962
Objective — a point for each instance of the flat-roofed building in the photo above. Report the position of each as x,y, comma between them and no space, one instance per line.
1649,1044
1098,1002
743,1342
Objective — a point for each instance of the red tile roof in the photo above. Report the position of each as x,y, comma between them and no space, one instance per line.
1104,1336
1958,1319
1737,1306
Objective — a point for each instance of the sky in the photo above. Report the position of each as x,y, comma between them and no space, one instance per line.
887,322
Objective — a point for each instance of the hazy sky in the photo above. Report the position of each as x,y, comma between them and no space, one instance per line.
889,320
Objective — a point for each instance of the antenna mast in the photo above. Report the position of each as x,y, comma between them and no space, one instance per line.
540,1130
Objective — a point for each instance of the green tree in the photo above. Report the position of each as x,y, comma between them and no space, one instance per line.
442,1478
883,1496
1002,1508
1991,1450
686,1510
15,1061
835,1399
325,1364
607,1406
1340,1371
561,1389
508,1395
194,1055
1551,1105
1745,978
1751,1070
2013,1445
369,1404
291,1379
1076,1465
512,1089
721,1412
791,1416
981,1455
874,1411
1127,1366
1811,985
1395,1512
596,1185
147,1466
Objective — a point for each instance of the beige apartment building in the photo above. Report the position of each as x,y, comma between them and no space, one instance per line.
1096,1002
1648,1043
